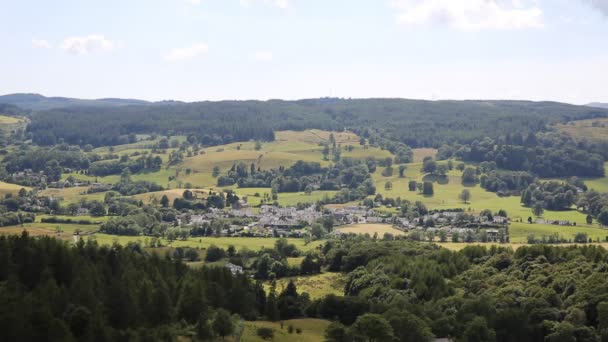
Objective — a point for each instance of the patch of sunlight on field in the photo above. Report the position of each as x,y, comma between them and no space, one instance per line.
371,229
447,192
317,286
312,330
8,188
594,129
519,231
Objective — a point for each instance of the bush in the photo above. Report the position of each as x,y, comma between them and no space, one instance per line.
265,333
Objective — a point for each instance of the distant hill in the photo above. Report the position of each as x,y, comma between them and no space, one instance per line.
416,123
598,105
38,102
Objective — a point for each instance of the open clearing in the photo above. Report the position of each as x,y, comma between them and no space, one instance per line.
421,153
9,120
595,129
7,188
519,231
312,330
172,194
317,286
370,228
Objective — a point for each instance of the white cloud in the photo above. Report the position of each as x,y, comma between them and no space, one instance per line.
41,44
470,14
263,56
601,5
85,45
187,52
282,4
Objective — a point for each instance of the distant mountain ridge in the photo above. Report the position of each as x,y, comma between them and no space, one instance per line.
38,102
598,105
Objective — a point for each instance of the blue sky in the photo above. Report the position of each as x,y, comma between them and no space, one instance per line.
260,49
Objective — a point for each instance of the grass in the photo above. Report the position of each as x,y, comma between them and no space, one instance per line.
584,129
317,286
240,243
289,147
446,196
8,188
421,153
9,120
172,194
519,231
313,330
72,195
371,229
285,198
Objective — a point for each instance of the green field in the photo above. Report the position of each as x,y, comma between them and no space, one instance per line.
312,330
519,231
447,191
6,188
371,229
9,120
595,129
317,286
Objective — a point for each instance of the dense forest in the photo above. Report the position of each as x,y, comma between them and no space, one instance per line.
537,293
394,291
415,123
50,291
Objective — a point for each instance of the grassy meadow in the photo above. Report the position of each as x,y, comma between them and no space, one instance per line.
312,330
317,286
8,188
370,229
595,129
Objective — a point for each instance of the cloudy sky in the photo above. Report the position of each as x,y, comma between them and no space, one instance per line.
261,49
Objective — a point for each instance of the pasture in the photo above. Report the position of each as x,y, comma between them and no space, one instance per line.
371,229
8,188
519,231
312,330
289,147
448,189
317,286
595,129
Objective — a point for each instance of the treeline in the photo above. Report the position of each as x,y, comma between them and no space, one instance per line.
302,176
551,156
550,195
411,122
401,291
53,292
135,165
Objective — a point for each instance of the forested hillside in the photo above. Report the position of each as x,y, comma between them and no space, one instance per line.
413,122
39,102
50,291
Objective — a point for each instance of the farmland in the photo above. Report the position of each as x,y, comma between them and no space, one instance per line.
317,286
8,188
370,229
312,330
596,129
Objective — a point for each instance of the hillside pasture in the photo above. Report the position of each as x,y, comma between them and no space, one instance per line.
317,286
8,188
447,192
312,330
172,194
519,231
594,129
370,228
286,150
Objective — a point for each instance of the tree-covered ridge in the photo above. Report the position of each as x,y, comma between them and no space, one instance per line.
538,293
54,292
413,122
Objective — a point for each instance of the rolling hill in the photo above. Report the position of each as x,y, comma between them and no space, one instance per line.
37,102
598,105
